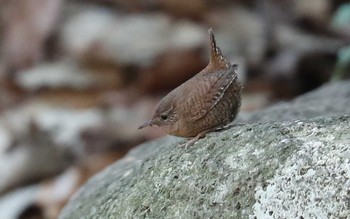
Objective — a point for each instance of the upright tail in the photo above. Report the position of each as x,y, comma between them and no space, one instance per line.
217,60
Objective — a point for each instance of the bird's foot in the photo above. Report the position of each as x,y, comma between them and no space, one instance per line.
192,141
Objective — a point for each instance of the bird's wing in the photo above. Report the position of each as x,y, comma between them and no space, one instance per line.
209,88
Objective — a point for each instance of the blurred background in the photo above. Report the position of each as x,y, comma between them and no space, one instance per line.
77,77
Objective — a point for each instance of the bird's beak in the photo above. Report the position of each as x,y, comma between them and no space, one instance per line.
149,123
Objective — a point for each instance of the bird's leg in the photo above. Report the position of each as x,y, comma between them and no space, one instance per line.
195,139
203,134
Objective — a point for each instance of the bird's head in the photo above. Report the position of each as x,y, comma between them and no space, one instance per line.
164,115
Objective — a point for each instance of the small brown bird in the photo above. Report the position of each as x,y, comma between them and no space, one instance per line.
209,100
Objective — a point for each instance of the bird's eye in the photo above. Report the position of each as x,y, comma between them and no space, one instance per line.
164,117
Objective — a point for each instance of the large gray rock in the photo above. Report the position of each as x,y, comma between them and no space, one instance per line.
284,167
331,99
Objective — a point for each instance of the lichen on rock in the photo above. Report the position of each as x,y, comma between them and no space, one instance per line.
313,183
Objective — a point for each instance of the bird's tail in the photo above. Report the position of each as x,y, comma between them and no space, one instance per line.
217,60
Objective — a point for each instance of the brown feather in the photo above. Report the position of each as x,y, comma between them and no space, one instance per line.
217,60
213,89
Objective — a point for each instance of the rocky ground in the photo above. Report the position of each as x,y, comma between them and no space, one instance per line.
77,78
292,163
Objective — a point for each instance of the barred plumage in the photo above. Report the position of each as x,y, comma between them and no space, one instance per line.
208,100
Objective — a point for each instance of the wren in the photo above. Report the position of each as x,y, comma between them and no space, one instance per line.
204,103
